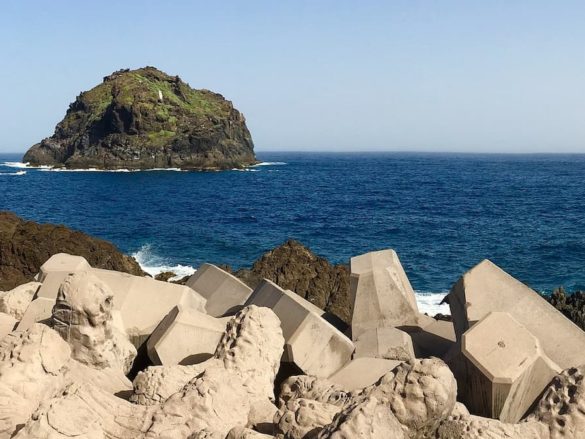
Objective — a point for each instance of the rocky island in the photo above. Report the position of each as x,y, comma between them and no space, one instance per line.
144,119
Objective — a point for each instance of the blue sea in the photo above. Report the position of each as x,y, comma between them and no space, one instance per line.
442,213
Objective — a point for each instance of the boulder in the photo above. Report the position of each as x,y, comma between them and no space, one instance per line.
389,343
295,267
246,433
312,344
487,288
362,372
15,301
142,301
82,315
251,346
381,293
225,293
366,419
508,369
313,388
185,336
32,364
303,418
25,246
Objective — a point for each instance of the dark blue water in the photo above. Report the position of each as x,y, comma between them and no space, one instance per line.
443,213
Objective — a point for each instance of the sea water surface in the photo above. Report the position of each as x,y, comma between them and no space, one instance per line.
442,213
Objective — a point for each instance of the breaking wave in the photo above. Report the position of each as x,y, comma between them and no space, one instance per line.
13,173
153,264
269,164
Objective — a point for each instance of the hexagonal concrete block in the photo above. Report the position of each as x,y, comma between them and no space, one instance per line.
486,288
311,343
363,372
389,343
225,293
62,263
185,336
433,338
507,369
381,293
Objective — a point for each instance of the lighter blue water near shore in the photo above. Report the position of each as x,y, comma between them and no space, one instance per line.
442,213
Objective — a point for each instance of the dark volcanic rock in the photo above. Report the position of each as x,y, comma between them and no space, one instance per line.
144,118
25,246
294,267
164,276
571,305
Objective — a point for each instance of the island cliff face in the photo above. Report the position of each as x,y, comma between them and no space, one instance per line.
144,118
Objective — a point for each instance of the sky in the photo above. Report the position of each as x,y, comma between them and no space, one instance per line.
463,76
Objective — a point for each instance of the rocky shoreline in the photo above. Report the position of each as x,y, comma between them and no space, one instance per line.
216,358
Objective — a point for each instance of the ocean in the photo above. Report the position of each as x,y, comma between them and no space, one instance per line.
442,213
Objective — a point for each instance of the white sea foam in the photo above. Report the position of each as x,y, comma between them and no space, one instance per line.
154,264
13,173
270,164
430,303
19,165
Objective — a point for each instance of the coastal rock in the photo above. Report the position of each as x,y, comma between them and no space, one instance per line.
144,118
25,246
251,347
303,418
295,267
571,305
15,301
82,315
313,388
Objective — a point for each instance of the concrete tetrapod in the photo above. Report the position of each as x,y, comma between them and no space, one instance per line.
311,343
225,293
185,336
507,368
486,288
381,293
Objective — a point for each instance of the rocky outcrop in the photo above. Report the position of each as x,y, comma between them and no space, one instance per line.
144,118
571,305
26,245
295,267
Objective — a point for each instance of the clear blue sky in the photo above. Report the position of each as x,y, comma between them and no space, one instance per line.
501,76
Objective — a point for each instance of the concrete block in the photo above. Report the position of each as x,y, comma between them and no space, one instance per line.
507,370
7,324
141,301
487,288
311,343
433,339
62,263
39,310
363,372
185,336
225,293
380,292
389,343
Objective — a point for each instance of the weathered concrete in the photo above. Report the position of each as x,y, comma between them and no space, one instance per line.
311,343
486,288
7,324
185,336
62,263
225,293
389,343
381,293
15,301
433,338
508,369
39,310
363,372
